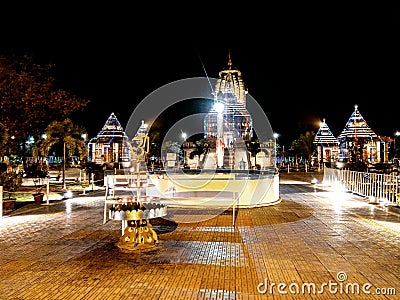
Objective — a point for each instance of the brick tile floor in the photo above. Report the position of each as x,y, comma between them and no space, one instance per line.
313,238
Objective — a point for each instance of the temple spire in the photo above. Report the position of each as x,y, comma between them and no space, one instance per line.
229,60
324,136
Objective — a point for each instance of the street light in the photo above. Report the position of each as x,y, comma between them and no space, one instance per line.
276,135
184,135
64,165
397,134
219,108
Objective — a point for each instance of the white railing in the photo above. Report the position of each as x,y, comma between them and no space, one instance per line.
382,187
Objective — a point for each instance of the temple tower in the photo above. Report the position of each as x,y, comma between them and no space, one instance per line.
229,123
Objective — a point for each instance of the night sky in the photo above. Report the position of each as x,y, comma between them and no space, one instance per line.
301,67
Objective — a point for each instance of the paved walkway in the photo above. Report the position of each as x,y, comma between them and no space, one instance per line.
314,244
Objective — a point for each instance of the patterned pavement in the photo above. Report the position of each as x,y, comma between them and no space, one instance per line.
315,244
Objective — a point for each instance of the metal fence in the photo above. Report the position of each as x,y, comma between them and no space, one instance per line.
381,187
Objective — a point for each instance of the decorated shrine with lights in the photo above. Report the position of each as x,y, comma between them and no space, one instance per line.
358,142
111,145
327,144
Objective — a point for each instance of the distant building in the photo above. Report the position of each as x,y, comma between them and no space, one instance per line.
356,142
111,145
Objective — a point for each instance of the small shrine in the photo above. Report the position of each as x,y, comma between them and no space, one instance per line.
357,141
111,145
327,144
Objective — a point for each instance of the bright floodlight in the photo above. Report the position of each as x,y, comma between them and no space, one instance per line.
184,135
67,195
276,135
219,107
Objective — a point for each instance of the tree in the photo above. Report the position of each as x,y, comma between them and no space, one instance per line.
30,99
69,135
3,138
304,146
11,180
155,134
202,147
253,146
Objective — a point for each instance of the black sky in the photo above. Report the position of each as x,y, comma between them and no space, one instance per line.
301,66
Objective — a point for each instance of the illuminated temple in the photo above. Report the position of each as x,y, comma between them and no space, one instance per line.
228,130
232,166
228,123
230,94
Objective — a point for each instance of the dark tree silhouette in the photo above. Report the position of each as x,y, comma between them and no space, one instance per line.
304,146
30,99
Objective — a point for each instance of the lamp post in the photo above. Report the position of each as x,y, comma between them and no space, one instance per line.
276,135
219,108
396,135
84,136
184,135
63,169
